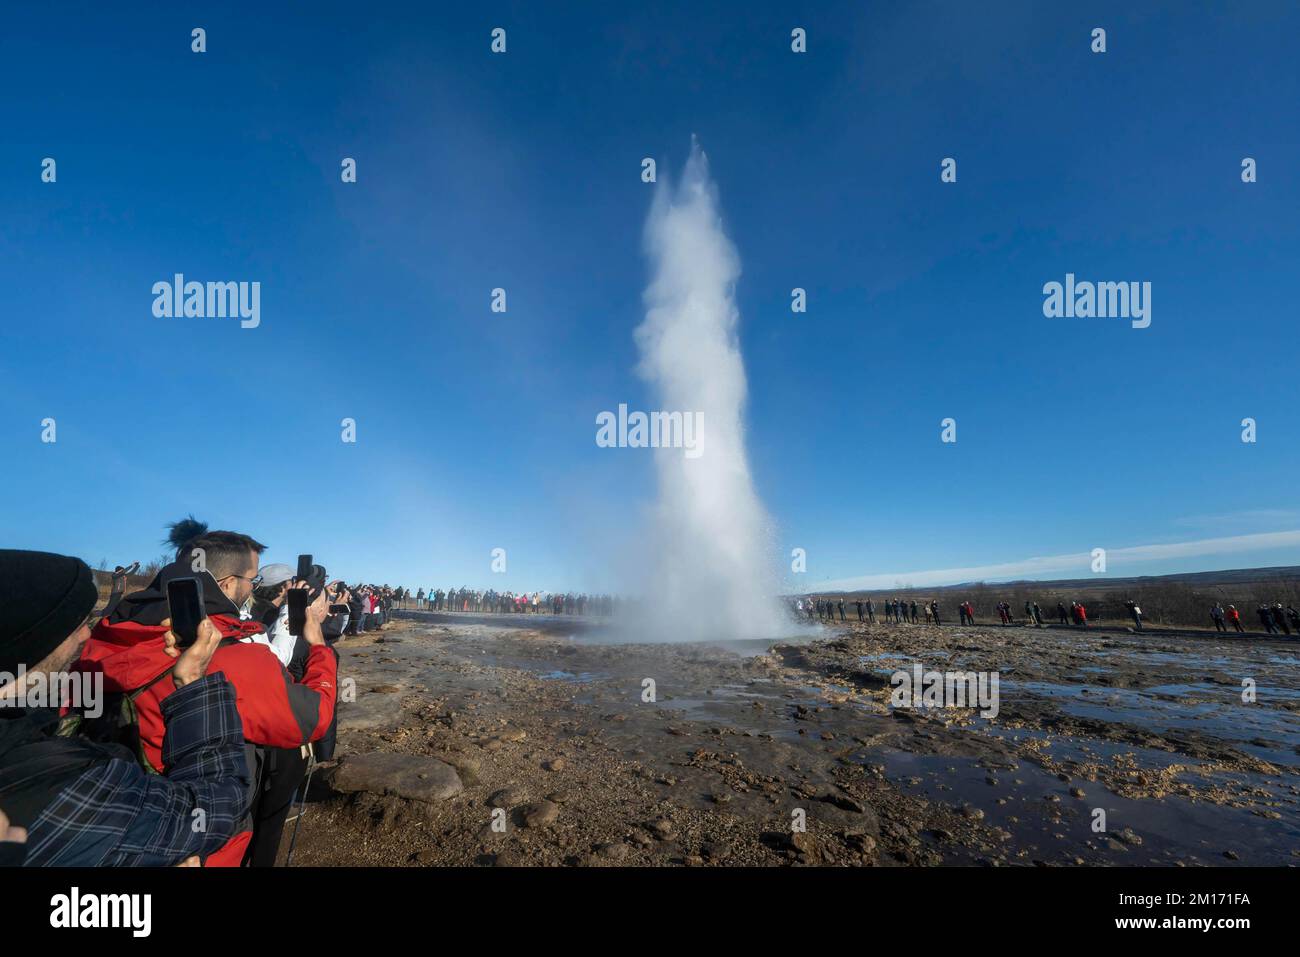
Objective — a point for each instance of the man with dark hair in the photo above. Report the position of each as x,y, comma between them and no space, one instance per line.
224,555
71,802
229,557
276,710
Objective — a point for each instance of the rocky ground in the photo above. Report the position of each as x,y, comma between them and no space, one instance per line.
487,743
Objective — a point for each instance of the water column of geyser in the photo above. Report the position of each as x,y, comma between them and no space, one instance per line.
710,574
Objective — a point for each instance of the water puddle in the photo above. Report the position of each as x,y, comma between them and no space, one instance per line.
1168,708
1049,823
582,677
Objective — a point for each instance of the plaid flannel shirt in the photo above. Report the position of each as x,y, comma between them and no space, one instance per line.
117,814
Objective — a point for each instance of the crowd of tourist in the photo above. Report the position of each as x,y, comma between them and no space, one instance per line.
508,602
1275,619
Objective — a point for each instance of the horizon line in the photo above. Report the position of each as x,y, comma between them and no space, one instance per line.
1025,569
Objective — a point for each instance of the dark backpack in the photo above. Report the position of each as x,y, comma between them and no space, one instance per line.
118,723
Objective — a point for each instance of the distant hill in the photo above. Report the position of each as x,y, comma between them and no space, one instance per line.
1231,576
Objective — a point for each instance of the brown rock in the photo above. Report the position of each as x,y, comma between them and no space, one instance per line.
540,814
414,777
508,797
615,851
662,829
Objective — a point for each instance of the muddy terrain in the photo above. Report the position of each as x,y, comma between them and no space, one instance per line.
524,741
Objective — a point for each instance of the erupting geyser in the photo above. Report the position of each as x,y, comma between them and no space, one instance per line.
710,574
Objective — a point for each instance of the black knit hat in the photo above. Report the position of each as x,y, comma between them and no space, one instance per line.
43,600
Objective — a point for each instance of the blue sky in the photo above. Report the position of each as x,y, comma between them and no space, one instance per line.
476,430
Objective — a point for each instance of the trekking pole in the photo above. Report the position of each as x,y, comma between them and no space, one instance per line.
302,806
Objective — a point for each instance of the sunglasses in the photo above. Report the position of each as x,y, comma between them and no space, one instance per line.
254,581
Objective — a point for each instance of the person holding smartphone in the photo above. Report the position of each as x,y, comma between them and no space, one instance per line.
271,606
340,612
271,609
75,803
283,769
277,712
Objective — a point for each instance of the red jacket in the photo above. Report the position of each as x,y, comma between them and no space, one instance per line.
275,710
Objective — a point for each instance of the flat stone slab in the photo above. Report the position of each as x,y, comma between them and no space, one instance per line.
415,777
370,712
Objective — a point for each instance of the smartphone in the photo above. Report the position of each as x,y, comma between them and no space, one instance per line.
185,604
338,609
317,579
304,567
297,599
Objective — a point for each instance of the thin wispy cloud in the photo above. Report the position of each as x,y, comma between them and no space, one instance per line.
1246,517
1078,564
